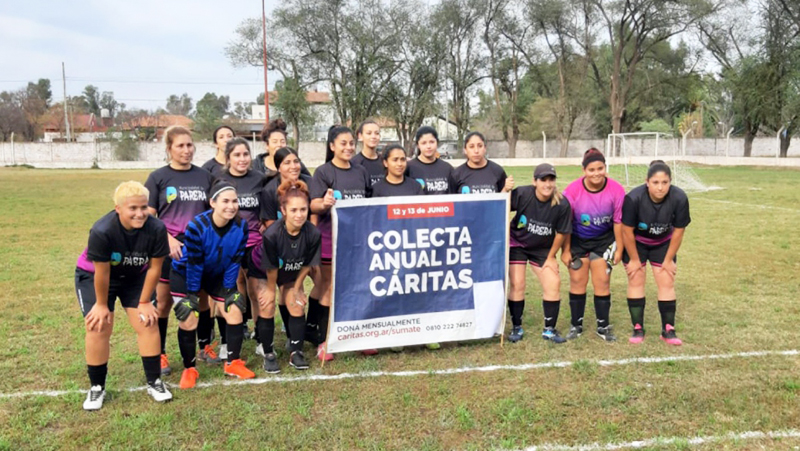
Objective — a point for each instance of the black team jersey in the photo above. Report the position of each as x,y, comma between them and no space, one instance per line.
178,196
653,222
258,165
351,183
374,168
128,251
436,177
289,254
535,224
214,167
409,187
248,190
488,179
270,205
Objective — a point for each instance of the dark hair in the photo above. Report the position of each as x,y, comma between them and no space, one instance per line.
289,188
657,166
232,144
360,128
424,130
275,125
591,156
281,155
470,135
219,186
388,150
214,135
334,133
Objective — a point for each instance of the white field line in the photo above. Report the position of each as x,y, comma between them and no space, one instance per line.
741,204
661,442
447,371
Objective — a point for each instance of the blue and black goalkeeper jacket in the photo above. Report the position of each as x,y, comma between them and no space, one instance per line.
210,252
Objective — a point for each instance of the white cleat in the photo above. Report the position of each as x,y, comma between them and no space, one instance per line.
94,398
158,390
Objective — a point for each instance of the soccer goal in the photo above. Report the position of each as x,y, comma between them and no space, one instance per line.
631,154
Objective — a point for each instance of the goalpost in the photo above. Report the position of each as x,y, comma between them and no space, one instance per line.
633,152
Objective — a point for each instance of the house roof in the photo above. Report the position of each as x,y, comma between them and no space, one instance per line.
159,121
53,121
311,97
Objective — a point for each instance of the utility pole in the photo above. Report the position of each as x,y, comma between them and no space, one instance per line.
266,87
66,105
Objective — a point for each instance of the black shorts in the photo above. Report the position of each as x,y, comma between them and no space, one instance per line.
252,262
166,267
592,249
520,255
128,292
212,287
653,254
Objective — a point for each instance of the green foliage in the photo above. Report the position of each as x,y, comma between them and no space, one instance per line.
126,148
210,111
656,125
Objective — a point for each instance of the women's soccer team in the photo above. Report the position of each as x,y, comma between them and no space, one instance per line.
239,236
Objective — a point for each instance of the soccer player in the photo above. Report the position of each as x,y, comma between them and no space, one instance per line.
212,258
122,260
220,137
249,184
369,134
396,183
291,247
178,194
596,241
274,135
654,219
336,179
479,175
435,175
542,221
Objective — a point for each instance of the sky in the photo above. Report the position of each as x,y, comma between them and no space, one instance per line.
141,50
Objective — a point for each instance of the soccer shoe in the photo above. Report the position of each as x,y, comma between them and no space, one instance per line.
369,352
516,334
158,390
669,337
223,352
209,356
433,346
189,378
322,355
553,335
298,361
260,350
94,398
271,364
236,368
574,332
166,370
606,333
638,335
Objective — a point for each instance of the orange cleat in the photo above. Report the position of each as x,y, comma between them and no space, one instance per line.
189,378
165,368
237,369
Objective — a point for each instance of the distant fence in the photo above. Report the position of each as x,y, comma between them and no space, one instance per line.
152,155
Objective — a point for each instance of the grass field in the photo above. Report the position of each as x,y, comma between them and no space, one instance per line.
737,292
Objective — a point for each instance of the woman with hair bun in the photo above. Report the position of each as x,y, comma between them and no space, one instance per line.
654,219
595,245
369,134
274,137
291,247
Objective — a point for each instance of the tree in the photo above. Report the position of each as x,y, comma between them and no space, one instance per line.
12,118
91,99
241,110
210,111
465,60
179,105
291,103
41,90
107,102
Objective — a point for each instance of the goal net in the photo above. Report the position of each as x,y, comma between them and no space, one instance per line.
631,154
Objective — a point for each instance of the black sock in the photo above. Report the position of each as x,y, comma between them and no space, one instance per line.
163,325
266,333
235,338
551,309
515,309
285,319
667,310
577,305
602,308
204,326
636,307
223,330
152,368
312,320
97,374
297,326
187,343
324,316
248,314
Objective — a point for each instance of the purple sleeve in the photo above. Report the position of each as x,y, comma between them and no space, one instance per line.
619,198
